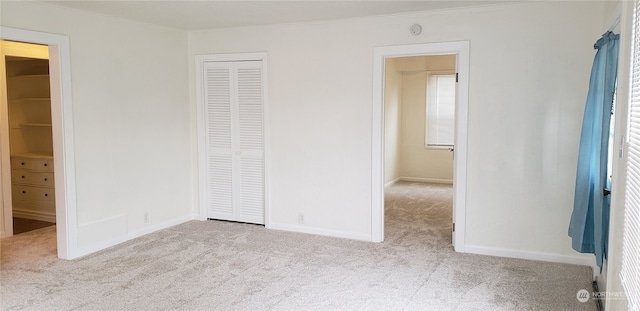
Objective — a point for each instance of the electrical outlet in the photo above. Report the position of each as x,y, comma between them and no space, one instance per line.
301,218
146,217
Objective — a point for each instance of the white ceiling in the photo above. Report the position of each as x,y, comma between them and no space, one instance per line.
193,15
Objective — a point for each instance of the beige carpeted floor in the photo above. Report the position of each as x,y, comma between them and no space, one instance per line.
216,265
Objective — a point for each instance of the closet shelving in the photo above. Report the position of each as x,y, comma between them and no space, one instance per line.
29,107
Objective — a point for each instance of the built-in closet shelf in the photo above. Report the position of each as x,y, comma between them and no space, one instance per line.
36,124
40,100
33,155
46,75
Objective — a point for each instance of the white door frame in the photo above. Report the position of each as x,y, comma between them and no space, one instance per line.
202,143
461,50
63,143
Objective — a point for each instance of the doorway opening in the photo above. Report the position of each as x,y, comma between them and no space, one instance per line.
419,119
61,148
460,50
25,69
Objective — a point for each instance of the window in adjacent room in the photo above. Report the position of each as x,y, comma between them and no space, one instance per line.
441,107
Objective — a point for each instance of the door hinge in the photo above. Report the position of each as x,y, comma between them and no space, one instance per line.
456,77
454,227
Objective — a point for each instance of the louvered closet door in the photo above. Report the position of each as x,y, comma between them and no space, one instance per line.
235,151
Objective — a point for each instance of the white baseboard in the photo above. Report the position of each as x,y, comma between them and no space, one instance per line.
427,180
319,231
529,255
419,179
161,226
35,215
391,183
79,252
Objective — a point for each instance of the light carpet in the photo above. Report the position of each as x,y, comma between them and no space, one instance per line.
216,265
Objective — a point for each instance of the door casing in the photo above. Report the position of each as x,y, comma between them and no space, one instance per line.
199,65
63,141
461,50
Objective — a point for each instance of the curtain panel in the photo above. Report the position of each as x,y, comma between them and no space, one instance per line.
589,225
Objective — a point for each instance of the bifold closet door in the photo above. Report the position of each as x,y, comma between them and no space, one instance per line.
233,98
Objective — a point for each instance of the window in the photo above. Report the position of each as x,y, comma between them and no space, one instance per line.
631,232
441,107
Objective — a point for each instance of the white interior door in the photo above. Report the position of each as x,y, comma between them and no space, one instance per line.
234,122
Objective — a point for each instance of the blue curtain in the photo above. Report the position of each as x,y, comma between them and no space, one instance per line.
589,226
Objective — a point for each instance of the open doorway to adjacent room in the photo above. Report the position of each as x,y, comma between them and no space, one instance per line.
40,125
419,127
419,147
26,103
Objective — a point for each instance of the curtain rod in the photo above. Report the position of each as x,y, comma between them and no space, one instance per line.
615,23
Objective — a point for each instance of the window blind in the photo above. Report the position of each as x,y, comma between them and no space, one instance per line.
441,106
630,271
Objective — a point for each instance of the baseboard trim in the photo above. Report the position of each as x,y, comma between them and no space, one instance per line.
427,180
35,215
80,252
528,255
161,226
391,183
319,231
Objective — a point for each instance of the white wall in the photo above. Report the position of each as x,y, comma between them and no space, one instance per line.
417,161
132,124
134,129
392,116
527,89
